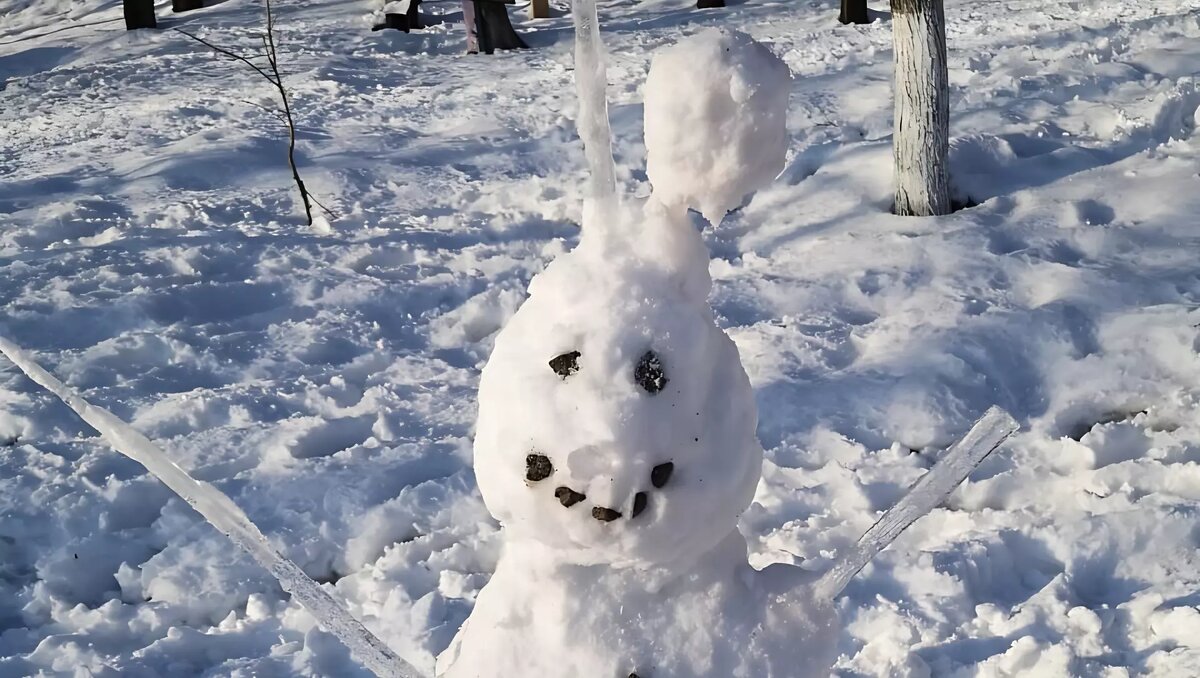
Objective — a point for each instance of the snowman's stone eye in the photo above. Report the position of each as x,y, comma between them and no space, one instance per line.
538,467
605,514
566,364
639,504
649,373
568,497
659,475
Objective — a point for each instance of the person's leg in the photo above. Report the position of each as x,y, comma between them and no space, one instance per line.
469,22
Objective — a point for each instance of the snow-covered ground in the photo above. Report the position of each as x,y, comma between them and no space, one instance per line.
325,378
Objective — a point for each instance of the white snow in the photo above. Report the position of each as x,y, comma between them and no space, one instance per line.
152,257
716,113
224,515
930,490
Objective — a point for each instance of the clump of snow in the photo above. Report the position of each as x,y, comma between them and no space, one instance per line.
716,109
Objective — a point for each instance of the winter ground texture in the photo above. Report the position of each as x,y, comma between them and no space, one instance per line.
324,377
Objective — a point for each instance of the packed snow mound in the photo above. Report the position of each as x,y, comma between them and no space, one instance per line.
616,423
542,618
716,110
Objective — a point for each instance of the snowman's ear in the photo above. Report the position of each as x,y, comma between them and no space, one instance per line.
716,109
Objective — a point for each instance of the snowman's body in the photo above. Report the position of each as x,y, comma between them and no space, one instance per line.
717,618
616,434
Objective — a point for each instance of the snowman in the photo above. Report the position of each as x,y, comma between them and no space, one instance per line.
616,433
615,440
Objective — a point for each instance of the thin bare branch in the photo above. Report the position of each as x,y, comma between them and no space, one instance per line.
232,55
274,77
267,51
328,211
271,40
273,60
265,109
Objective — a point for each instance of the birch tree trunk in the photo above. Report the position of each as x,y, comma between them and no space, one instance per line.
922,134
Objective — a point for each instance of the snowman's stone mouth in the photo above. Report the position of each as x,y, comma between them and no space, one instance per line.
639,504
538,467
605,514
568,497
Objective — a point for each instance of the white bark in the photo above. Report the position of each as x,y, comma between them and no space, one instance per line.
922,134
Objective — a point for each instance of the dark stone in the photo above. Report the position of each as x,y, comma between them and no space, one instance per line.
568,497
649,373
494,28
605,514
659,475
639,504
566,364
186,5
538,467
139,14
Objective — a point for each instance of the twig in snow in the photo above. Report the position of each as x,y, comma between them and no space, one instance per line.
270,72
327,210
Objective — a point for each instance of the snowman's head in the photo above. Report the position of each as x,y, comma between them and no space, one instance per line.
616,423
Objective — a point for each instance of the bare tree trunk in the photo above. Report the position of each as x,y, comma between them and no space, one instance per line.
922,92
854,12
186,5
139,14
